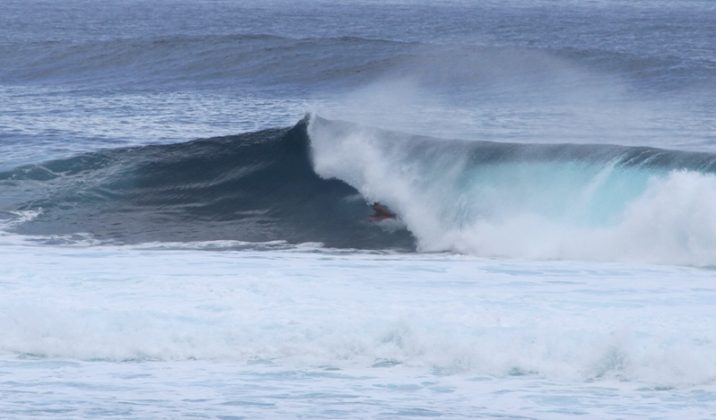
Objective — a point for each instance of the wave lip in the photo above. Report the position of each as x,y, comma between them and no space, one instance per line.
544,201
254,187
311,184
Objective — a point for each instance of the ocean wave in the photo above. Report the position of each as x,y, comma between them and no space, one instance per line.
544,201
174,60
311,183
256,187
268,59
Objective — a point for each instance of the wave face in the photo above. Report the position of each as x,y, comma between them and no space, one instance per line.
311,183
561,201
254,187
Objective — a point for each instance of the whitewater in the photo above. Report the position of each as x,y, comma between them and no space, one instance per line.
185,191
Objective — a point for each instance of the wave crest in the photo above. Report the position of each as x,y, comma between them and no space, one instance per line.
532,201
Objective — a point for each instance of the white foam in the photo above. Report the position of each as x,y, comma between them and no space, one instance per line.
526,210
446,314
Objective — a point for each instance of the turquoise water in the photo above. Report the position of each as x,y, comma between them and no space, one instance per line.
541,285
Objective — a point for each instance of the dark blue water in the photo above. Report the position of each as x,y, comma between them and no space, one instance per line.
81,76
185,190
513,51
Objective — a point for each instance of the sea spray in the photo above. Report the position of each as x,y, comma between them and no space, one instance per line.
531,201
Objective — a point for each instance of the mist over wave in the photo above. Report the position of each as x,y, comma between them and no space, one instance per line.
551,167
312,183
531,201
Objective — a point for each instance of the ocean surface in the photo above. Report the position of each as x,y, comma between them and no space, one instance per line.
185,192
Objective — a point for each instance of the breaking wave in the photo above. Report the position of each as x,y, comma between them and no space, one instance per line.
312,182
256,187
561,201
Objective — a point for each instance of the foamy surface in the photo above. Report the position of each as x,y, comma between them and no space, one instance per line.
145,331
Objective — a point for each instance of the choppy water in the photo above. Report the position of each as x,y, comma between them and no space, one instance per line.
153,331
183,190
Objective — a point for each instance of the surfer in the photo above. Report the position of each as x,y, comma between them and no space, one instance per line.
380,212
